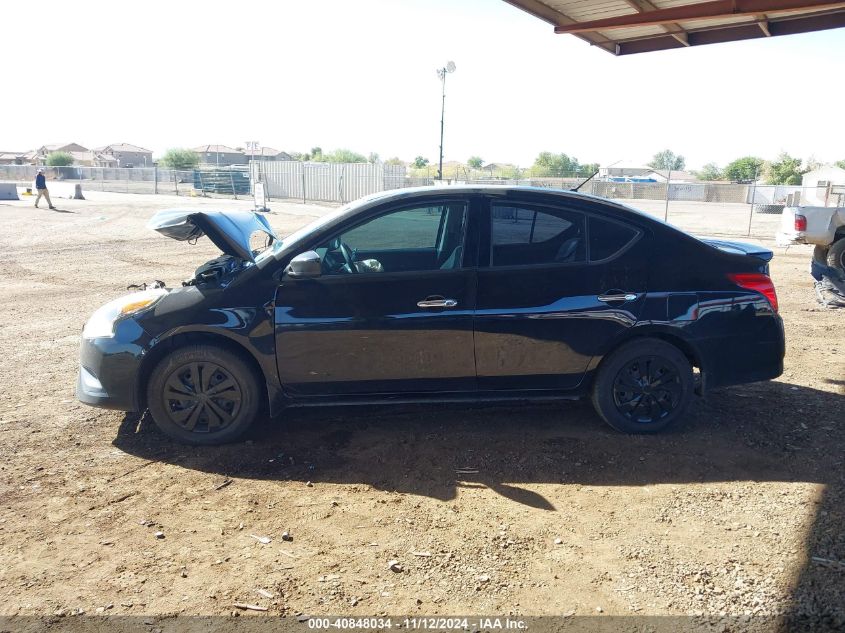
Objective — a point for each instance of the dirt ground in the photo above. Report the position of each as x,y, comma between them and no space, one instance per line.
525,509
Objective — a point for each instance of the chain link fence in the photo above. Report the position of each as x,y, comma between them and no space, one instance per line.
713,208
700,207
308,182
150,180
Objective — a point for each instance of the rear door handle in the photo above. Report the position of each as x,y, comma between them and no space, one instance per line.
437,302
618,297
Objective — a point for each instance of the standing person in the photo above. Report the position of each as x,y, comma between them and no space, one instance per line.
41,188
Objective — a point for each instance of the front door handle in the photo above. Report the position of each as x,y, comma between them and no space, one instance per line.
618,297
437,302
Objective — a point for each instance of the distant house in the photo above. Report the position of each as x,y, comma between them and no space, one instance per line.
13,158
123,155
661,175
497,167
98,159
267,153
638,173
81,155
220,155
625,171
821,185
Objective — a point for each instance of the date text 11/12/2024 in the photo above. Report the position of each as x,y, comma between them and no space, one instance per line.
420,623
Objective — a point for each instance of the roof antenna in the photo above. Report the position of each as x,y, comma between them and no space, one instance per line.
593,175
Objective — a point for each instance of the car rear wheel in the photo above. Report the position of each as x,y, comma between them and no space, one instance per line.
203,394
836,255
643,387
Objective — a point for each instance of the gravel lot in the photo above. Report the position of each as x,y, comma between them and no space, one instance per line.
496,510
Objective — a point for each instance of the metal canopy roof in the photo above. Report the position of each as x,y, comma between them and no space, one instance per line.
624,27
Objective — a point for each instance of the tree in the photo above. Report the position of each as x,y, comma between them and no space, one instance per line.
373,157
589,169
475,162
315,154
59,159
667,159
786,170
711,171
419,162
812,164
560,165
339,156
840,164
743,169
394,161
179,158
300,156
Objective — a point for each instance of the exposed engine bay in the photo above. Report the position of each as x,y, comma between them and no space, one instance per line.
216,271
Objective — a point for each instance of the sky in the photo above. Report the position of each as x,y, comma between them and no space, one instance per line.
362,75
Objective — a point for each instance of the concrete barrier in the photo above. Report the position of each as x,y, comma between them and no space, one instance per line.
65,190
8,191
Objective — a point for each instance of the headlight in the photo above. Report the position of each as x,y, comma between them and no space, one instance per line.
101,323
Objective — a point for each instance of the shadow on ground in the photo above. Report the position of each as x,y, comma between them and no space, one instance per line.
773,432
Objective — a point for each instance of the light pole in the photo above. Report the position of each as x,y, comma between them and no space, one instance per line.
253,146
442,72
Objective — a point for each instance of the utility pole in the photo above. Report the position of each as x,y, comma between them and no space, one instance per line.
442,72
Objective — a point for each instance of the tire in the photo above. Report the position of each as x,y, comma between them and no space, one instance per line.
836,255
820,254
227,406
631,407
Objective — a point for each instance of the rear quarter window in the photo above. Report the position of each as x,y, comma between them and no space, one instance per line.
609,238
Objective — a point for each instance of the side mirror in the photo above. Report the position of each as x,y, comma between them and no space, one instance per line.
306,265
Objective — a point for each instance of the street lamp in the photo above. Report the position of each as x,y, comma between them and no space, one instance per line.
442,72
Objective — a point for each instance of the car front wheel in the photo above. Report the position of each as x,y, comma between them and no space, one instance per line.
643,387
203,394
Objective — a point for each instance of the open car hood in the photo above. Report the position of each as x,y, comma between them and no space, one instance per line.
229,230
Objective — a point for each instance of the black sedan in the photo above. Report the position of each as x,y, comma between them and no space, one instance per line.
447,294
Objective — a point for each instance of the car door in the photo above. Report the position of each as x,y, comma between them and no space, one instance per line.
555,284
397,318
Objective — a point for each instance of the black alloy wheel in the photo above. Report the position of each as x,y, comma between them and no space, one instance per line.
643,386
647,389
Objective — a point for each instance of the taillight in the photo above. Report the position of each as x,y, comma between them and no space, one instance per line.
758,282
800,223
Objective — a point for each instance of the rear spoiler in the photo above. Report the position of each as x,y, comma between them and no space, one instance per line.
740,248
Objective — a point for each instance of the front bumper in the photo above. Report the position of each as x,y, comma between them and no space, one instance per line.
109,374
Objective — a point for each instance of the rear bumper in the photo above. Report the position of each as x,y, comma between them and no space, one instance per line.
742,358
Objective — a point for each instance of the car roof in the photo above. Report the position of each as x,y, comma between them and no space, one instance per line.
410,193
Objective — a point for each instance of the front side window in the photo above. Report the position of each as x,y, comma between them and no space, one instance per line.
525,236
411,239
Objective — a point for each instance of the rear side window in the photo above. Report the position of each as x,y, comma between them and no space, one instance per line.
527,236
608,238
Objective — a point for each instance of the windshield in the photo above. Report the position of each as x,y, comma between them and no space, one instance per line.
306,230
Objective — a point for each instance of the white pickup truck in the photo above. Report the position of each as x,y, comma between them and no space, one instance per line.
822,226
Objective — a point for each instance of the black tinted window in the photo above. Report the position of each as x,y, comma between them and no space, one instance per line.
405,240
523,235
608,238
